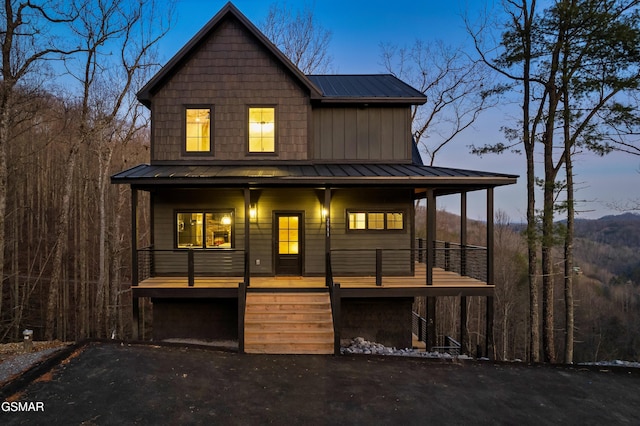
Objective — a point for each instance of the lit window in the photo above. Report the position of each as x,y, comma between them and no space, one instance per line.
395,221
212,232
198,133
190,230
375,221
357,221
262,129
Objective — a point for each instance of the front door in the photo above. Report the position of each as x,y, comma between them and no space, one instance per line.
288,243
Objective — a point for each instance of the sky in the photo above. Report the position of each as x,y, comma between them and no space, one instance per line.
359,27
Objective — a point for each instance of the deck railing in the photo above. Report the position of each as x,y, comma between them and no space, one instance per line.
334,297
190,263
419,326
466,260
378,263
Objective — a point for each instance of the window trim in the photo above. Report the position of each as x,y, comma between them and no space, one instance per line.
232,213
275,130
211,109
385,230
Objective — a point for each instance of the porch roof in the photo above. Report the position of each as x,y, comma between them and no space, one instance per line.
308,174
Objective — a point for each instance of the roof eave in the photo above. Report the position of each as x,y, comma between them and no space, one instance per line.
377,181
372,100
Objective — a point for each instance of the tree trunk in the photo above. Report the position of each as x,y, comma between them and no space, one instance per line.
62,237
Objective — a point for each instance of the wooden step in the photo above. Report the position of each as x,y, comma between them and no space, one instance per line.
288,323
298,348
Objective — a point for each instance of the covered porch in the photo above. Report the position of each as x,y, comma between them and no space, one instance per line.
351,269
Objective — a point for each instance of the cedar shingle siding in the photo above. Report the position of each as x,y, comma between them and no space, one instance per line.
230,71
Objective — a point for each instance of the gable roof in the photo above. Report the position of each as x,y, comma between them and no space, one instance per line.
380,88
366,88
229,10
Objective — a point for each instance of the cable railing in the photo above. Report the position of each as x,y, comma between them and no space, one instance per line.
378,263
465,260
190,263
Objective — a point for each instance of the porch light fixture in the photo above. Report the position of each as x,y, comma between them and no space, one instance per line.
253,212
324,213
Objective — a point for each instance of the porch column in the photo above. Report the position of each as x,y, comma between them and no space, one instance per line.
134,262
463,268
490,274
431,238
327,227
247,239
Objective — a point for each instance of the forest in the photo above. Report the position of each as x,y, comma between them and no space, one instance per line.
69,119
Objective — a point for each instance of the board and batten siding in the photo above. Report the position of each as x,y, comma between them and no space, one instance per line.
366,134
168,260
353,252
230,71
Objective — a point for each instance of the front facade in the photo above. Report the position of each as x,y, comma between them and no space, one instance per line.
269,186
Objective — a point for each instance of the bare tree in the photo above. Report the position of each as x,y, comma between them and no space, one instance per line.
453,83
24,49
109,115
299,36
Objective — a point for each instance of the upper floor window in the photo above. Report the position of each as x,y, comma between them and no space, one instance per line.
375,221
262,129
198,130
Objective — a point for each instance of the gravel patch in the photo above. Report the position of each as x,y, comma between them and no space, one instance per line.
14,362
361,346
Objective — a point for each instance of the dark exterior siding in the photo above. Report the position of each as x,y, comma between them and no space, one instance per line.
370,134
207,262
230,71
360,257
269,201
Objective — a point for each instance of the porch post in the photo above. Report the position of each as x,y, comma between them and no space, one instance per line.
134,262
247,239
431,234
327,227
431,238
490,273
463,268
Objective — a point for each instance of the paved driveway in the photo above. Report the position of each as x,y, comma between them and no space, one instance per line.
105,383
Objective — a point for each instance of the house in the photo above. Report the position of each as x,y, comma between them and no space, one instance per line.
282,204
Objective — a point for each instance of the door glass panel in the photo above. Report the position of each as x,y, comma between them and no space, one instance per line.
288,235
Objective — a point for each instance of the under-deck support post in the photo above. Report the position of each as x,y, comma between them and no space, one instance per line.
490,273
134,262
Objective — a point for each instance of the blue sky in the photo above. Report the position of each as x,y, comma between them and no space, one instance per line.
358,27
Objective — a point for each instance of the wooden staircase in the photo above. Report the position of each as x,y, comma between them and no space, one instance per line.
288,323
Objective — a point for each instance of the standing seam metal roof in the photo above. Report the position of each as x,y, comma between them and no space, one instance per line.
301,173
364,86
